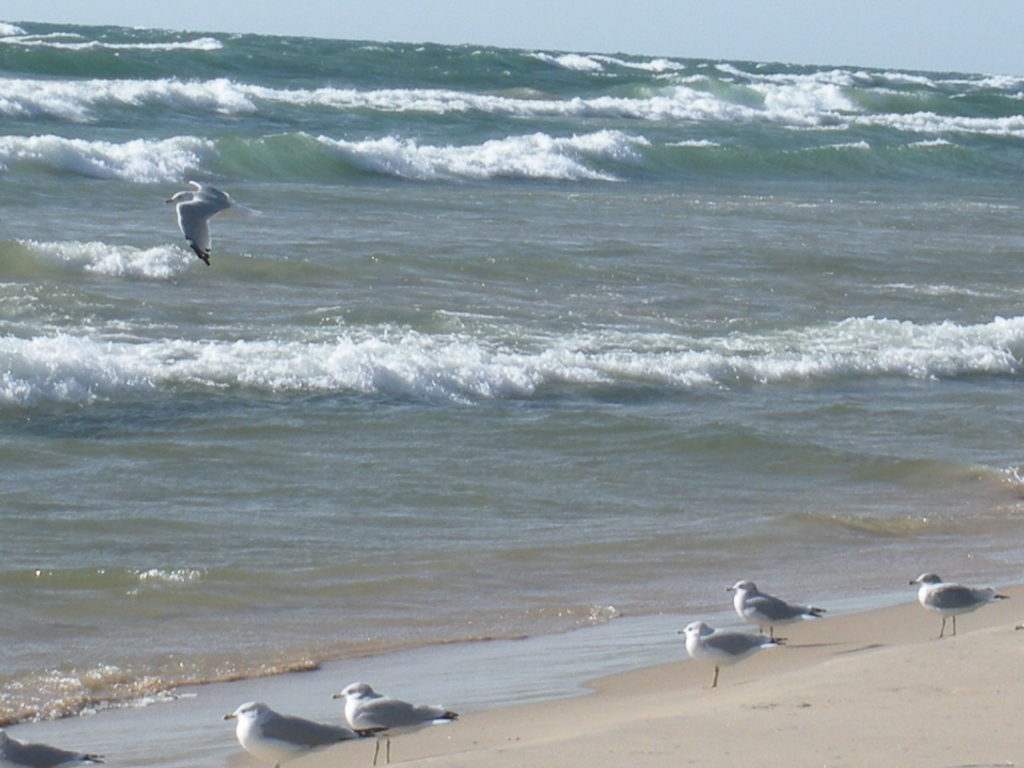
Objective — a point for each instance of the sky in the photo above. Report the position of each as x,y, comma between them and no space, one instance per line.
938,35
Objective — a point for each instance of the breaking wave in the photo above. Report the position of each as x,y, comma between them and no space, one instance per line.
408,364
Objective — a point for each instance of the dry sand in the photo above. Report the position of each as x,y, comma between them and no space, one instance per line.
872,689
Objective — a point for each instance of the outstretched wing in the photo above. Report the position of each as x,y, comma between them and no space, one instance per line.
194,218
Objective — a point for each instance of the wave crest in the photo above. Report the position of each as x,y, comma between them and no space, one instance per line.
464,368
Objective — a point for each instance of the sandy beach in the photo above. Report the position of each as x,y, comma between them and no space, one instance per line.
876,688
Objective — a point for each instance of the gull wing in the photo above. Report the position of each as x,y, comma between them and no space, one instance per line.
43,755
394,713
305,733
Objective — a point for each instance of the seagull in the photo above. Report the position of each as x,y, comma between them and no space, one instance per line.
720,647
365,708
267,735
195,209
764,610
951,599
14,752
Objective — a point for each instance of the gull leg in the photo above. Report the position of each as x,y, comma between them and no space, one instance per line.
954,625
387,750
714,683
943,630
376,750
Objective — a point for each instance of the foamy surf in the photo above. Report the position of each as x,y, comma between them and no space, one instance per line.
98,258
460,368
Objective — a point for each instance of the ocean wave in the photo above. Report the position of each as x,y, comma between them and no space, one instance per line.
537,156
462,368
69,691
137,160
71,42
829,100
98,258
576,62
300,156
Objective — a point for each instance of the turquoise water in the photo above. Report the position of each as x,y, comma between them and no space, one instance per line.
522,341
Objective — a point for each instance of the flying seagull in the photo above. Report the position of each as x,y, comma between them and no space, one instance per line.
195,209
266,735
951,599
365,709
766,610
14,752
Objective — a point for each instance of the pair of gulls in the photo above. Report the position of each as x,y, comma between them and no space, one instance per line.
276,738
720,647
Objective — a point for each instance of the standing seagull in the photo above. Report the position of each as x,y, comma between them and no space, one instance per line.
266,735
195,209
720,648
365,708
951,599
764,610
13,752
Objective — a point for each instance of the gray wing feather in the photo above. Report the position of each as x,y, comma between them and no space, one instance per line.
393,713
777,609
193,218
43,755
956,596
305,733
735,643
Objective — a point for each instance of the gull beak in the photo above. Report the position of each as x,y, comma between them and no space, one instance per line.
338,696
229,716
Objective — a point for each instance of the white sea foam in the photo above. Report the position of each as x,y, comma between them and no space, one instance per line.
536,156
647,65
77,100
464,368
158,263
173,577
138,160
801,101
574,61
64,42
932,123
9,30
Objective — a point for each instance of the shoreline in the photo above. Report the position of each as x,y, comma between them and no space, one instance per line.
652,710
874,688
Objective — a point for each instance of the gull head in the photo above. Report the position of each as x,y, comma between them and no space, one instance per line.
356,691
180,197
251,710
743,585
927,578
696,629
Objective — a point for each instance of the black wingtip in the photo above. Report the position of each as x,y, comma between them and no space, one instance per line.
204,256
